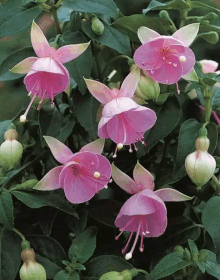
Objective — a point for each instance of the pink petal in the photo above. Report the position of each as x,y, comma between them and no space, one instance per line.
102,128
146,34
104,168
143,176
60,151
69,52
130,83
94,147
24,66
87,159
168,73
123,180
47,64
168,194
187,34
50,181
208,66
39,41
101,92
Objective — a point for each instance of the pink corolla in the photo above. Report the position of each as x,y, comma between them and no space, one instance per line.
46,76
123,120
166,58
208,66
144,212
81,175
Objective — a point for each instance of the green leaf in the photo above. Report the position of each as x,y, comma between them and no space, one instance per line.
49,253
201,266
193,247
211,221
175,5
82,65
167,266
168,116
64,275
18,22
3,127
187,136
130,25
83,246
10,252
37,200
6,209
197,4
106,7
9,62
77,226
211,265
67,129
212,129
111,37
86,108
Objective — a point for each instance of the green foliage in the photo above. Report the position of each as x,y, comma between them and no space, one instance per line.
6,209
3,127
175,4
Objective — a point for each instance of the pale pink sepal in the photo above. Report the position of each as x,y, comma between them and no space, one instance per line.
95,147
123,180
191,76
69,52
101,92
143,177
208,66
24,66
39,41
130,83
168,194
50,181
146,34
187,34
60,151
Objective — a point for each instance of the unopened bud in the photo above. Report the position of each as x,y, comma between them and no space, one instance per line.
202,144
187,255
212,37
164,15
210,16
179,250
26,186
97,26
124,275
54,45
10,154
11,134
203,255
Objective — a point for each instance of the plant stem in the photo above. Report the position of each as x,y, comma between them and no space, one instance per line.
183,16
217,185
19,233
143,271
53,10
95,50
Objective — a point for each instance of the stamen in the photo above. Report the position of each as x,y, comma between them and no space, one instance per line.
126,246
177,88
110,181
40,104
141,249
130,150
23,117
120,146
183,58
115,153
135,147
129,255
96,174
29,94
174,64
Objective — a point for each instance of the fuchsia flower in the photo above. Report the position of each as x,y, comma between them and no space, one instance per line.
46,76
123,120
81,175
166,58
145,212
208,66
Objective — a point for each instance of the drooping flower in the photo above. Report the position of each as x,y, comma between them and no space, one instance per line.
144,212
46,76
81,175
123,120
166,58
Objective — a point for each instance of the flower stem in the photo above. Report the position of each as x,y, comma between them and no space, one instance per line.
19,233
208,109
53,10
142,271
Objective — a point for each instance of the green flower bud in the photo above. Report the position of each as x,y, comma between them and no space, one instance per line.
210,16
202,144
203,256
26,186
164,15
40,2
31,270
124,275
11,134
179,250
54,45
147,88
10,154
212,37
97,26
187,255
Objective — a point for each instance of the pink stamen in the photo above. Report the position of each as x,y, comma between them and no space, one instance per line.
177,88
136,239
126,246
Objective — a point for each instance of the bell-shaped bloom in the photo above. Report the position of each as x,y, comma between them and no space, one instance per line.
166,58
208,66
81,175
123,120
46,76
145,212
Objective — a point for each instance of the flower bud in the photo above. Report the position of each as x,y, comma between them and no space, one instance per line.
203,256
11,134
147,88
210,16
179,250
31,270
164,15
26,186
97,26
54,45
212,37
124,275
187,255
10,154
202,144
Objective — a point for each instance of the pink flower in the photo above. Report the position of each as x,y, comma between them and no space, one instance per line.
81,175
145,212
46,76
123,120
166,58
208,66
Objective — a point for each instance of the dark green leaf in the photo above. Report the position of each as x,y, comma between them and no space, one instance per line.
168,116
211,265
64,275
193,247
77,226
37,200
130,25
49,253
106,7
3,127
111,37
82,65
213,136
6,209
197,4
18,22
211,221
187,136
83,246
201,266
175,4
67,129
167,266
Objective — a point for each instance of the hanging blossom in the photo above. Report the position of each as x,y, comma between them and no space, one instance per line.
123,120
144,212
166,58
46,76
81,175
